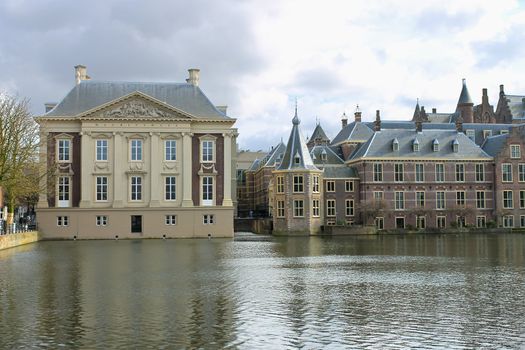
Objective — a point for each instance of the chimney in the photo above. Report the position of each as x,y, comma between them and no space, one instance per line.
501,91
459,124
81,73
49,106
419,126
377,123
193,77
484,96
344,120
357,114
434,110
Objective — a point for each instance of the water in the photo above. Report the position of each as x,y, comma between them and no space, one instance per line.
454,291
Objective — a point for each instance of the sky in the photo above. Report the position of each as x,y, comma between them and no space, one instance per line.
259,56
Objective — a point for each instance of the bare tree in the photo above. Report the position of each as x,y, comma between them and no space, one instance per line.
371,209
18,148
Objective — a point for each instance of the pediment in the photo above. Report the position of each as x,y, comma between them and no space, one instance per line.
135,106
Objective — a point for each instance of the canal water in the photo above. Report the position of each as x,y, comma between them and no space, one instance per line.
446,291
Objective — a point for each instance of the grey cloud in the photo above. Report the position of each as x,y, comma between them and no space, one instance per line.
123,40
494,52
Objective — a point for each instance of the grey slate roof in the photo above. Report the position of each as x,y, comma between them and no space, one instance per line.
354,132
91,93
380,145
296,147
440,117
516,106
319,134
255,165
276,152
331,156
339,172
464,97
494,144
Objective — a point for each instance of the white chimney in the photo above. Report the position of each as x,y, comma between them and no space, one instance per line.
81,73
194,76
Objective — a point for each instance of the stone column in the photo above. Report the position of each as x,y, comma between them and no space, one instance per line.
187,200
119,160
227,196
154,170
86,166
42,198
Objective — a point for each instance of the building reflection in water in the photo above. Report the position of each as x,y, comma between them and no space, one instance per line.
441,291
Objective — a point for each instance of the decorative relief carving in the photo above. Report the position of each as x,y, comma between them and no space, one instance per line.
101,166
136,166
170,166
207,169
64,169
134,109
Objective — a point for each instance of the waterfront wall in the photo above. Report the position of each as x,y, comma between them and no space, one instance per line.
255,225
16,239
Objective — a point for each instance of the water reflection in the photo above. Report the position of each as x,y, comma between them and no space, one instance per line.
386,291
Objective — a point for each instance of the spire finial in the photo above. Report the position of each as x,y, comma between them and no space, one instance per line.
295,119
417,100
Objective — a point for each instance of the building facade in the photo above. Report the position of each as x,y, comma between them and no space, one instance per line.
128,160
439,170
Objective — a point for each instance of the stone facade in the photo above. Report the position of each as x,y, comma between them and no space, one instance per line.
133,160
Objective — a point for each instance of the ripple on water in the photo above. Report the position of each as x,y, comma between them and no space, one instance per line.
393,292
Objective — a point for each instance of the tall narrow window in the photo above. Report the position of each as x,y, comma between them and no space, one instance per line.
378,172
460,172
441,221
298,186
506,172
398,172
280,184
170,188
64,187
481,221
315,207
315,184
378,196
522,199
330,207
349,204
330,186
280,209
420,199
521,172
136,188
440,172
64,150
480,199
440,200
460,198
207,151
399,200
420,172
102,188
515,152
101,150
136,150
508,202
207,190
170,150
480,172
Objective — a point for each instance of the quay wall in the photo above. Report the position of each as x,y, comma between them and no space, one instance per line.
16,239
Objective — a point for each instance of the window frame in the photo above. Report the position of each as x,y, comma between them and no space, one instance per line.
69,148
170,150
170,219
280,184
136,150
419,174
298,183
441,203
513,153
399,172
331,208
440,174
460,172
280,209
298,210
399,200
316,208
349,207
330,186
101,220
507,201
101,188
506,176
207,195
104,150
480,175
377,171
170,188
135,192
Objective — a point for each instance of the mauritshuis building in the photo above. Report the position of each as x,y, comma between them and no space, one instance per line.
438,170
130,159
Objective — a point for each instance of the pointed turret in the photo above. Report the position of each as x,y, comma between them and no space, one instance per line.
465,105
318,137
296,155
417,112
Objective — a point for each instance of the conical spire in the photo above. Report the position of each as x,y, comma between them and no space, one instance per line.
464,97
296,155
417,112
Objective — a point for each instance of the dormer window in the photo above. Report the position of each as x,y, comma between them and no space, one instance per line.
297,159
415,145
323,155
435,145
395,145
455,146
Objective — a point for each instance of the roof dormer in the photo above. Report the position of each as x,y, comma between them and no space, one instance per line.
415,145
435,145
395,145
455,146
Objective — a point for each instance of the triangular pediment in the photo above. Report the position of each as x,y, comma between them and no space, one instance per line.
136,105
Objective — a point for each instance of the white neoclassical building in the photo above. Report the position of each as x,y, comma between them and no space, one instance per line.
133,159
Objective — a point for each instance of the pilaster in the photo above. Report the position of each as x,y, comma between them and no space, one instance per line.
227,200
42,198
119,159
86,163
155,162
186,170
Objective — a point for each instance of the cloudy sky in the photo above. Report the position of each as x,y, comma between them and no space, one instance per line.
258,56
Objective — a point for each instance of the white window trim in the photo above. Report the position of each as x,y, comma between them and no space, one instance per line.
107,189
511,171
141,189
62,203
142,143
207,202
328,208
63,137
176,150
213,140
107,150
176,189
519,151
